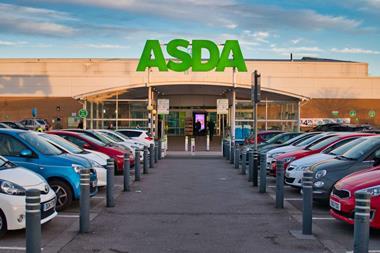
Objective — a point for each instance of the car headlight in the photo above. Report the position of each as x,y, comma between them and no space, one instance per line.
374,190
319,184
289,159
77,168
320,174
10,188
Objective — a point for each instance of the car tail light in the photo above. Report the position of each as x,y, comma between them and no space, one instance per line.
148,138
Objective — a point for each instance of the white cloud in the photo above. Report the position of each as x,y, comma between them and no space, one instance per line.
354,51
289,50
373,3
12,43
36,21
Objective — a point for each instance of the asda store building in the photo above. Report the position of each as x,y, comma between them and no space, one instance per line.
295,93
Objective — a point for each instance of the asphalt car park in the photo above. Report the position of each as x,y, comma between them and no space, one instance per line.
63,228
327,229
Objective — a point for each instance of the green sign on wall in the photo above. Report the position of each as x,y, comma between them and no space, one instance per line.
83,113
352,113
335,113
372,113
152,56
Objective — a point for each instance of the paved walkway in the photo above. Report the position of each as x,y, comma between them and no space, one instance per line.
193,205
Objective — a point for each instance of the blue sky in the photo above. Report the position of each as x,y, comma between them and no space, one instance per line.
346,30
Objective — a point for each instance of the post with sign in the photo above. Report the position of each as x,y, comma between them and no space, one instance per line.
162,109
256,97
222,109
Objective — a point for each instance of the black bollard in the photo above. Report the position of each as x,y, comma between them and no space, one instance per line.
137,166
110,182
255,168
145,161
307,211
243,162
156,152
33,221
361,223
84,201
232,153
151,156
250,165
126,172
280,184
263,173
228,151
159,150
237,157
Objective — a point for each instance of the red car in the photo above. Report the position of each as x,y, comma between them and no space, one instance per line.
329,141
87,142
342,198
262,136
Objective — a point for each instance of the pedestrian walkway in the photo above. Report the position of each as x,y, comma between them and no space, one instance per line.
193,205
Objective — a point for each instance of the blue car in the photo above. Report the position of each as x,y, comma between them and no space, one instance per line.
61,170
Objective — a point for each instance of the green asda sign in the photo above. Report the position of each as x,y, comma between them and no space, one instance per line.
152,56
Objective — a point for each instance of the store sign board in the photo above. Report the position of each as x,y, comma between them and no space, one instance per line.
163,106
181,60
372,113
222,106
83,113
311,122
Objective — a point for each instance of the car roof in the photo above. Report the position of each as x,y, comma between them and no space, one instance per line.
129,129
12,130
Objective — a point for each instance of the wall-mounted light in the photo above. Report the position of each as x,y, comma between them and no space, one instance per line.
149,107
154,112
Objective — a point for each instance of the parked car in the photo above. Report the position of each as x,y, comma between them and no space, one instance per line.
293,141
3,125
121,137
274,153
342,198
97,160
262,136
327,173
138,135
295,170
339,127
329,141
86,142
61,171
36,124
15,125
14,181
98,136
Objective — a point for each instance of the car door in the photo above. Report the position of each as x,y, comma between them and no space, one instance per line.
11,147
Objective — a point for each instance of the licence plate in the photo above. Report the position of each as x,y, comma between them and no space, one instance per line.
335,205
49,205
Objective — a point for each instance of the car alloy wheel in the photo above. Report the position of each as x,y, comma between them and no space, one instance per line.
63,192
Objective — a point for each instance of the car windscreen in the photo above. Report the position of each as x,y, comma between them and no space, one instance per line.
361,149
344,148
323,143
130,133
297,139
93,140
39,144
40,121
112,136
72,148
275,139
309,140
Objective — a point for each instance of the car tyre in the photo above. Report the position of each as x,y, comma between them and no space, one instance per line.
63,192
3,224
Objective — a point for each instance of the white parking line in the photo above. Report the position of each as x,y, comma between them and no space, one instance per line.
323,218
370,251
97,197
68,215
13,248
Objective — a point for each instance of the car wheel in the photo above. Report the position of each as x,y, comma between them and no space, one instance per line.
63,192
3,224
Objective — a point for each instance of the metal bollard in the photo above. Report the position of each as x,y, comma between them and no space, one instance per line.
280,184
110,182
159,150
137,166
223,149
263,173
250,165
145,161
156,152
237,157
255,168
307,211
84,201
151,156
126,173
228,148
243,162
232,153
33,221
361,223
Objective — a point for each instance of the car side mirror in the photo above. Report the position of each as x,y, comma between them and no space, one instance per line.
26,153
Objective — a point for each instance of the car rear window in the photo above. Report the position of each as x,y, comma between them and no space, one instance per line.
130,133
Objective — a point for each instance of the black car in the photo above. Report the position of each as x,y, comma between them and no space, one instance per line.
14,125
337,127
327,173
